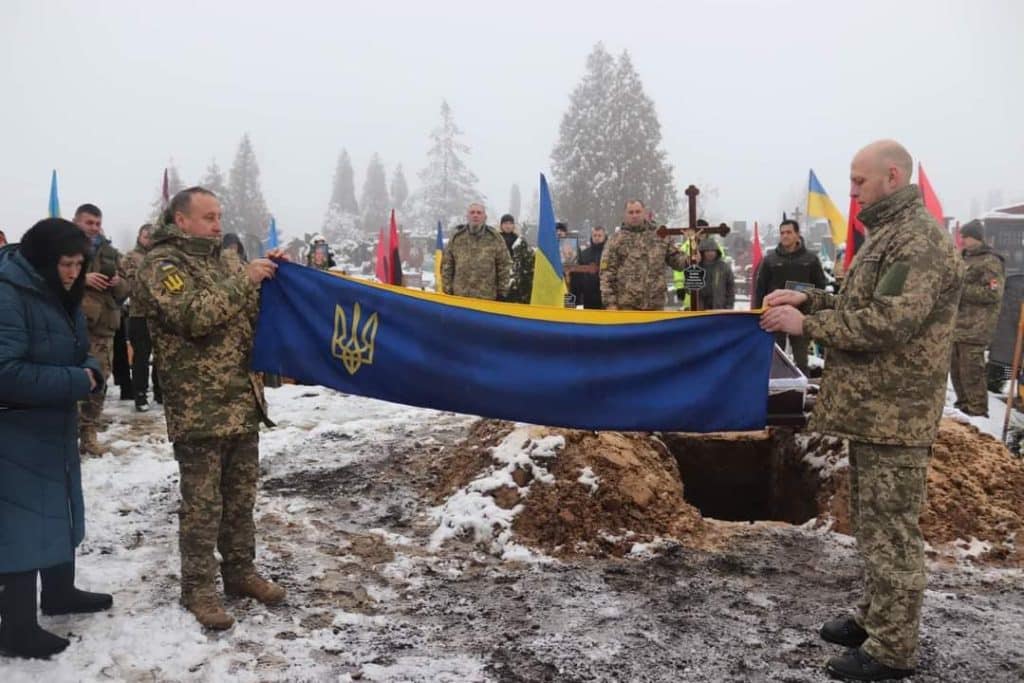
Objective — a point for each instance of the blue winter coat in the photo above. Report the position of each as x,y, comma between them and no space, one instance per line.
43,351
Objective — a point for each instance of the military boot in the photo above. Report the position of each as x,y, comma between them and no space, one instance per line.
857,665
208,610
88,444
844,631
252,585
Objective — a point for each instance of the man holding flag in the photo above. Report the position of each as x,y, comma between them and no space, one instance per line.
888,335
633,263
476,262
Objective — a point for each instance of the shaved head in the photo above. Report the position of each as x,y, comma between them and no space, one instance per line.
879,170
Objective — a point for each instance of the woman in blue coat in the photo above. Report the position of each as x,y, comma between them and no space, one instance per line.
45,370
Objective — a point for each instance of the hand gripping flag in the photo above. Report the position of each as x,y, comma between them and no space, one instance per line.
625,370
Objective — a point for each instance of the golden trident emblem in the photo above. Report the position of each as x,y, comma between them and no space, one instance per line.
351,345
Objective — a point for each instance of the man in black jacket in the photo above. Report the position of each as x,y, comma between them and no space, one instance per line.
789,262
587,286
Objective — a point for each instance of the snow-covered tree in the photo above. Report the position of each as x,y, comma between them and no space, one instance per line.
213,180
399,189
375,202
342,219
608,149
448,184
245,210
515,201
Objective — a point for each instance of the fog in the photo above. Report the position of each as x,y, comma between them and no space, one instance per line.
750,95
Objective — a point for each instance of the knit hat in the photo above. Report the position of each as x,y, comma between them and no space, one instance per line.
973,229
507,218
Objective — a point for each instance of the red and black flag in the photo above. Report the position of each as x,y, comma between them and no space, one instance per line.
855,234
394,257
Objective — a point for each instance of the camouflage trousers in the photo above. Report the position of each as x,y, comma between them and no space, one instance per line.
967,370
887,492
218,491
89,410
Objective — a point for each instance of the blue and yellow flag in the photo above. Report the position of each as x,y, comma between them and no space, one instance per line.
438,255
624,370
54,208
820,205
548,278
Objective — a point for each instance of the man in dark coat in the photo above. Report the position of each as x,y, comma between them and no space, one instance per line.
45,369
586,287
719,292
790,262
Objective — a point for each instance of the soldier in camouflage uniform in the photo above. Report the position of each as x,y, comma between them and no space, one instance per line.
633,264
105,291
138,330
521,285
888,336
976,321
201,304
476,262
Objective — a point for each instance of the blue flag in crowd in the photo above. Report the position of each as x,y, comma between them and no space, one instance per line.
622,370
54,208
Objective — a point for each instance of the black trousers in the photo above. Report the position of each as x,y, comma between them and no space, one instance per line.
142,349
121,369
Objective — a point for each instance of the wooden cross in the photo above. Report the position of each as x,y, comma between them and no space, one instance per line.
693,234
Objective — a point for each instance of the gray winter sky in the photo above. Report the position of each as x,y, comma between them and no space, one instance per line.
749,94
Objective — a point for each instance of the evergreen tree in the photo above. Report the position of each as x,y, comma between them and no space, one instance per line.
375,202
245,210
399,189
448,184
515,202
342,219
608,149
213,181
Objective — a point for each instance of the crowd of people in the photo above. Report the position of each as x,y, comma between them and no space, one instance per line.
909,304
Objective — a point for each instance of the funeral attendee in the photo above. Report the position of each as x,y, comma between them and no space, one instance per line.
887,337
233,243
201,303
976,320
586,287
633,263
476,262
789,262
719,291
3,239
45,368
138,330
521,253
105,291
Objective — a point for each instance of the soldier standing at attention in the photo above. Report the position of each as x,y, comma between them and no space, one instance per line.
522,261
476,261
201,304
633,263
105,291
888,336
976,320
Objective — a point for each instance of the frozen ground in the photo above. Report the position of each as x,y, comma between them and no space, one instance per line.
343,523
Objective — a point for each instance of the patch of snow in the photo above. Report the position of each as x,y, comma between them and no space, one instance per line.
971,549
589,479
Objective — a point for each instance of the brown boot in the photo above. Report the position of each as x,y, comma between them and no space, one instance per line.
88,445
208,610
253,585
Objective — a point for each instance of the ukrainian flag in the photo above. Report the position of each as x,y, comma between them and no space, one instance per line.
623,370
548,278
820,205
438,256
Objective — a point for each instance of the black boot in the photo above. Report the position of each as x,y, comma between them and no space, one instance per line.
20,634
60,596
844,631
857,665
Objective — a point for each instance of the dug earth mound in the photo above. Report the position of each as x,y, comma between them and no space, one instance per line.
515,489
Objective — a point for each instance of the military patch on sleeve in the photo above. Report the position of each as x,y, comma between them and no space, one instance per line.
893,281
173,282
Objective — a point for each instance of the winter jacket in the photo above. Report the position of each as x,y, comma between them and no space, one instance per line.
781,266
982,296
43,354
103,309
586,287
719,292
476,263
633,268
521,285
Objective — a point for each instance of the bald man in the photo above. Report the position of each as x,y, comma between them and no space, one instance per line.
889,335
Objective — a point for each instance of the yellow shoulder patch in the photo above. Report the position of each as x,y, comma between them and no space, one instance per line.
173,282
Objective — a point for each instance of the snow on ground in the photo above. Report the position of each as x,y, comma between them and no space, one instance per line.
342,522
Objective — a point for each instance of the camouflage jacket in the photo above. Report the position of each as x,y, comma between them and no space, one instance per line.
521,285
982,296
633,268
201,308
476,264
131,263
889,333
103,309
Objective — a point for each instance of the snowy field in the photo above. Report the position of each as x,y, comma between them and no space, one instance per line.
344,524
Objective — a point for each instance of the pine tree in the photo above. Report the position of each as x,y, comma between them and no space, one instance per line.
342,219
245,210
375,202
608,149
448,184
515,202
399,189
213,181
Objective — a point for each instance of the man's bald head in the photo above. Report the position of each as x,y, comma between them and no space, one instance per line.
879,170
